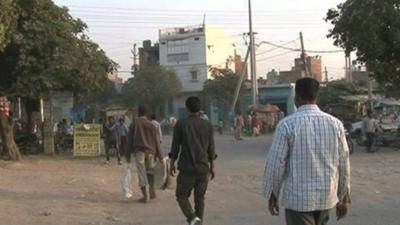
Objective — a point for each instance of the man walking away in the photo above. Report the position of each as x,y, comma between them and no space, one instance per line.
111,137
369,128
157,126
146,145
239,126
309,156
193,142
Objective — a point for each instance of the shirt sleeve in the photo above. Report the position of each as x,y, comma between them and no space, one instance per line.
344,165
276,162
176,142
211,148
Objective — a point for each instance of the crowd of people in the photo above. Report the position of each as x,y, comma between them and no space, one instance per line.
308,159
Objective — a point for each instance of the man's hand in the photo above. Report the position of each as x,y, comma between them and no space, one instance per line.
172,171
212,172
342,210
273,205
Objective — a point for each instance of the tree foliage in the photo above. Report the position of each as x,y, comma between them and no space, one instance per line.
221,89
331,93
372,29
152,86
48,50
7,21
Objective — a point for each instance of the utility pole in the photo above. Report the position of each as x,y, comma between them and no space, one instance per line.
253,59
134,52
303,56
239,85
326,75
350,68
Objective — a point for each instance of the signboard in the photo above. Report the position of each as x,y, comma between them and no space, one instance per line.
87,140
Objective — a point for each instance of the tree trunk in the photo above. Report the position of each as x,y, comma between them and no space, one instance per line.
7,136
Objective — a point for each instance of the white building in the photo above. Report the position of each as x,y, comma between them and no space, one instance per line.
191,51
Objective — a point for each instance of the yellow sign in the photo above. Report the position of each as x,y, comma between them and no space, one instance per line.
87,139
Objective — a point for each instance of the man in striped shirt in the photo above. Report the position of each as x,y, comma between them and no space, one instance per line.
309,157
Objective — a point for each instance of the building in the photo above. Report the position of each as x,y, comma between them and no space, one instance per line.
272,77
313,64
149,55
118,81
191,51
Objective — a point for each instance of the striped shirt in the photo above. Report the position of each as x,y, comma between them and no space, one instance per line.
309,157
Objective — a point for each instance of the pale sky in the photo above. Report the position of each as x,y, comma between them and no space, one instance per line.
116,24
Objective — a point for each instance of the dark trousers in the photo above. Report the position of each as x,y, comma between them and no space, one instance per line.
370,140
307,218
185,185
112,144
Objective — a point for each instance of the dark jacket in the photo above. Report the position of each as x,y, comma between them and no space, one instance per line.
193,142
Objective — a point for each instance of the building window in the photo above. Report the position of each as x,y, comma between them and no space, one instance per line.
194,75
196,38
178,57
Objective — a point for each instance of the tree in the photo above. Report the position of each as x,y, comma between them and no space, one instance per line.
330,95
7,21
49,50
372,29
152,86
221,89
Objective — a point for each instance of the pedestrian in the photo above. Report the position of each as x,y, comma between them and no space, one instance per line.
203,115
369,128
122,131
193,142
239,122
256,124
111,138
309,157
146,147
157,125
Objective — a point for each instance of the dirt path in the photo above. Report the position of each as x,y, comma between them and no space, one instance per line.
62,190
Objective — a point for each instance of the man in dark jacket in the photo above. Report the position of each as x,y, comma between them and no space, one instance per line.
193,141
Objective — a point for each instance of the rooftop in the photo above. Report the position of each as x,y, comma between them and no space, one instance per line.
195,29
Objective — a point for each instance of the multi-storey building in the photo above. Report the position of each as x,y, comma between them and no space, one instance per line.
191,51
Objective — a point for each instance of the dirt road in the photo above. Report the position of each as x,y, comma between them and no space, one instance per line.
61,190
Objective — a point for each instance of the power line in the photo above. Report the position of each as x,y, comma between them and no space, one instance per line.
275,56
275,48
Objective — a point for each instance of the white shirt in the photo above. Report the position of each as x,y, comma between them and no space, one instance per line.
309,157
158,127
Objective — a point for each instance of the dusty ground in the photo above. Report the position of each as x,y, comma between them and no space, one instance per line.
62,190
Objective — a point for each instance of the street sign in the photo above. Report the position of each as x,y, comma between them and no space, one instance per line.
87,140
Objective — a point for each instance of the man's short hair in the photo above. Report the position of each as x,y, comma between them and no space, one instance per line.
307,89
142,110
153,117
193,104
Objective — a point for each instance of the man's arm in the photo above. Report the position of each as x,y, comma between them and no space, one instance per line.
275,167
212,156
175,148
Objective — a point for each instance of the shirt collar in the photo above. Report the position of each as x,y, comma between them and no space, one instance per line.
308,107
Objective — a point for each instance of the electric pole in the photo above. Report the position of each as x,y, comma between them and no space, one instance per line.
350,68
326,75
303,56
252,59
134,52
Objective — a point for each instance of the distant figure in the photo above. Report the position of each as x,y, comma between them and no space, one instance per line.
122,131
369,128
309,158
221,127
255,124
146,147
203,115
239,125
111,139
157,125
193,142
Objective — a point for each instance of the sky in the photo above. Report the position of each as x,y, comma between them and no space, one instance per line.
117,24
